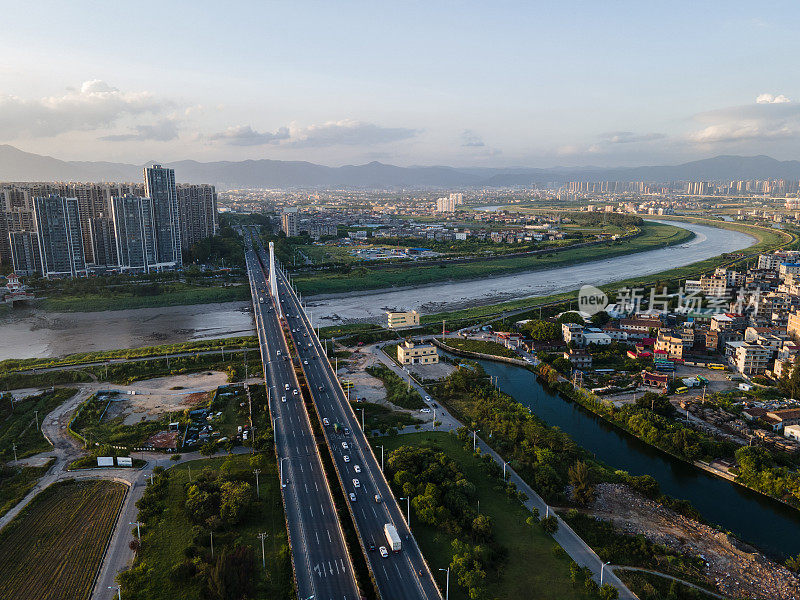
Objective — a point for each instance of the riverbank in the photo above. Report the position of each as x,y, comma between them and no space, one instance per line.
684,483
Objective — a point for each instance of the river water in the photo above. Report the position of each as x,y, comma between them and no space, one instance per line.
754,518
30,333
442,297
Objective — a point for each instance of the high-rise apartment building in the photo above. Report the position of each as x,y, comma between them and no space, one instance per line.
25,257
289,222
197,209
60,236
159,186
134,233
104,247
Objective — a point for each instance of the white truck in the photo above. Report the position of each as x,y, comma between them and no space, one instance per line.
392,537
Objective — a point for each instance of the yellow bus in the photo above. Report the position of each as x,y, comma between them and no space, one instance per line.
682,390
716,366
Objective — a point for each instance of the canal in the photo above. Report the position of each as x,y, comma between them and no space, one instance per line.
754,518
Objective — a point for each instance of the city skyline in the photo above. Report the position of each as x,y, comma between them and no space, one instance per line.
456,84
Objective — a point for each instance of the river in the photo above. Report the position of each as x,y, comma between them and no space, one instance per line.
454,295
754,518
31,333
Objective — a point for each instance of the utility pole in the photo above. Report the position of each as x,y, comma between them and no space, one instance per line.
14,446
138,529
212,543
36,414
262,536
474,438
256,472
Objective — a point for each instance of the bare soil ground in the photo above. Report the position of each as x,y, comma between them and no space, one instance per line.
736,570
156,397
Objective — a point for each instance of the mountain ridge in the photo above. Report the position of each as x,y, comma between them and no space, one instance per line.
18,165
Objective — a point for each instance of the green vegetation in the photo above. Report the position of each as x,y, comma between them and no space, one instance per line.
383,418
397,390
774,475
16,482
491,552
18,426
176,294
481,347
182,509
80,358
648,586
53,548
653,235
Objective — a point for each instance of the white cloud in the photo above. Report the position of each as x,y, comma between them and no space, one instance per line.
245,135
770,118
471,139
770,99
347,133
162,131
331,133
96,105
629,137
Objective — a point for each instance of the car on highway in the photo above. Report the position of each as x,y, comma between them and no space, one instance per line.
371,547
357,468
378,498
325,421
346,431
305,334
345,446
294,392
352,497
356,483
278,352
384,552
310,345
305,362
283,398
322,388
346,458
286,386
427,398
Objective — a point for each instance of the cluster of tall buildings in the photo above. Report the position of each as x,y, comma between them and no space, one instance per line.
449,203
70,229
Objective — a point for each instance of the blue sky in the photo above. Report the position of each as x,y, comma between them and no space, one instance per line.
459,83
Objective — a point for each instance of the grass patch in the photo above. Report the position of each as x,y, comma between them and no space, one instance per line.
652,587
397,391
53,548
481,346
383,418
170,538
175,295
16,482
19,426
532,570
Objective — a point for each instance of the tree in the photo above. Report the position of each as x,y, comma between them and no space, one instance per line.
208,448
236,497
608,592
582,488
571,317
231,576
793,563
575,573
550,524
482,528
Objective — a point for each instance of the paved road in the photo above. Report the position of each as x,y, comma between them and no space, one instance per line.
400,575
322,564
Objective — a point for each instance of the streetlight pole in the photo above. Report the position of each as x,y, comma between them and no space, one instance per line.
212,543
447,584
474,439
262,536
256,472
138,529
36,413
602,568
362,419
119,592
408,510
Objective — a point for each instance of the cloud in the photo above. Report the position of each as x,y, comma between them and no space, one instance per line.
96,105
628,137
470,139
245,135
770,99
332,133
347,133
770,118
163,131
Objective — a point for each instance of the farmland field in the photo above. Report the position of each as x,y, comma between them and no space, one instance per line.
53,548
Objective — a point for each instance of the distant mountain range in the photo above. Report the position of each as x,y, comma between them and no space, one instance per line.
16,165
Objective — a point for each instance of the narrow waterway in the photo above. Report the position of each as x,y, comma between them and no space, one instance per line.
768,524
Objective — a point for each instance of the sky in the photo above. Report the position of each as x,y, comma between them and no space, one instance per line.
483,84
